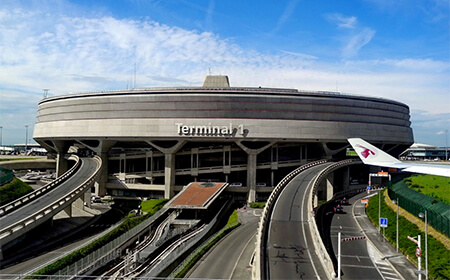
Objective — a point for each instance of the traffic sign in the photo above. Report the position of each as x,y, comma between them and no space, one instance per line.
383,222
368,189
364,201
418,251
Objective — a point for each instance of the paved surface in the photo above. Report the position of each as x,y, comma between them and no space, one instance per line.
290,248
370,258
231,257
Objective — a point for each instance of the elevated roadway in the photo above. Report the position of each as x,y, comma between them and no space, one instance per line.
290,248
41,208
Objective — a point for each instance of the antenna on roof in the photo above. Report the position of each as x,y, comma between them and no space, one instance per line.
209,71
45,92
134,74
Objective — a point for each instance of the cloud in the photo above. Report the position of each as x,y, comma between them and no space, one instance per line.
87,53
288,10
356,41
342,21
351,35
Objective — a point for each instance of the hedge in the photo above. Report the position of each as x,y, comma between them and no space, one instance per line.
81,253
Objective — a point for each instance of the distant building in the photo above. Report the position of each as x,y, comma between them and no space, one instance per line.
425,152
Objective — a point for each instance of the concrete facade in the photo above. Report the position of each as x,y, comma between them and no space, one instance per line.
175,133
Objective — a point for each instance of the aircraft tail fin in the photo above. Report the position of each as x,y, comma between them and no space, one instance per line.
369,154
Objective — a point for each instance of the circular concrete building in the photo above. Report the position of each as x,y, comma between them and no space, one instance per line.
155,140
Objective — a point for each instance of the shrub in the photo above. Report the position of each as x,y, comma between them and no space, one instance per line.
13,191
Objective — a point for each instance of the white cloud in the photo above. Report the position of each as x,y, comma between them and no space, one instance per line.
73,54
343,21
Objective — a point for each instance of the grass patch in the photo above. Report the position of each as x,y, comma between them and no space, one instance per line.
150,206
437,187
260,205
438,255
14,159
13,191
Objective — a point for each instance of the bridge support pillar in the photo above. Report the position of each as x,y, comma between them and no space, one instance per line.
62,164
330,181
169,175
251,177
68,210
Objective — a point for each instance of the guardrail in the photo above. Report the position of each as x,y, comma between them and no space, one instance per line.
259,267
321,251
38,217
35,194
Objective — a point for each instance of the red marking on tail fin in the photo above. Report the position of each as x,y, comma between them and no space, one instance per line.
366,152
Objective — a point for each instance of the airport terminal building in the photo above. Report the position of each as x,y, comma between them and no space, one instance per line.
157,140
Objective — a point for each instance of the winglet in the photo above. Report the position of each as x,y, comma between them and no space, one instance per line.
370,154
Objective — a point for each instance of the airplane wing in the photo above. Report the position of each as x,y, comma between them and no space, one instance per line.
371,155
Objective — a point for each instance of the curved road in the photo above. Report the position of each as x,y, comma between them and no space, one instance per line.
87,169
359,259
231,257
290,249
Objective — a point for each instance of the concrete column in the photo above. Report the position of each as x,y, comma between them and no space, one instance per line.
251,168
68,210
169,175
62,164
102,178
251,176
169,166
329,185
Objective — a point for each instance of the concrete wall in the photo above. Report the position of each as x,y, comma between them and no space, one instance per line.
262,114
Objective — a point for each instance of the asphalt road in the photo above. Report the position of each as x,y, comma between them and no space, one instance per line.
359,259
231,257
290,249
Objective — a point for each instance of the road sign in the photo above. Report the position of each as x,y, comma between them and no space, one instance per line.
364,201
383,222
413,240
368,189
418,251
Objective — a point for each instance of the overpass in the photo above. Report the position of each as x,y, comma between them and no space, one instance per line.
289,245
38,207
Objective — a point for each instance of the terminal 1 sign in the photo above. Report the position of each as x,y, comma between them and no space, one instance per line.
229,130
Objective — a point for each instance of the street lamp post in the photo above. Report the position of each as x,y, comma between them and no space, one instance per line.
396,236
421,215
26,138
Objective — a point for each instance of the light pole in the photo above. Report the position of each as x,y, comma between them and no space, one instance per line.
446,145
396,236
1,135
26,138
421,215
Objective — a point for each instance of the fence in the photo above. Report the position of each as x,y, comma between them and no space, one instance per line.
6,176
438,213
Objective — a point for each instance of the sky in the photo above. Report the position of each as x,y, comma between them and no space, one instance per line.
394,49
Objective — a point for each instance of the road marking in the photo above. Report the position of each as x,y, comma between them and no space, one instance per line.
304,233
240,255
